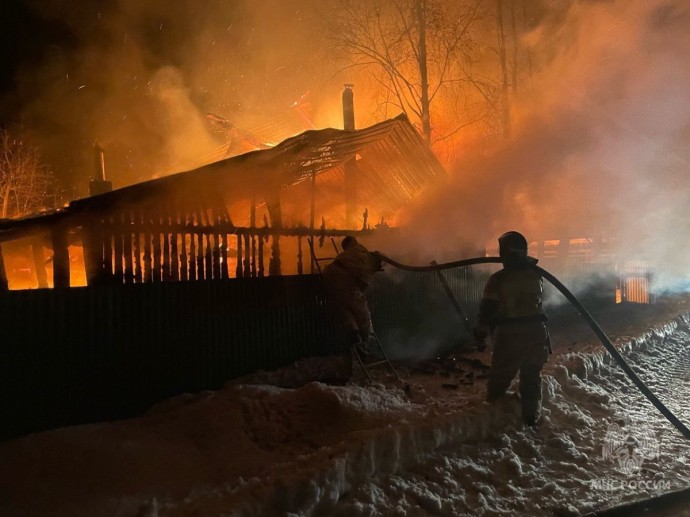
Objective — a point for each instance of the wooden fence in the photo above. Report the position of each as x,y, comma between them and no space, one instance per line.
164,249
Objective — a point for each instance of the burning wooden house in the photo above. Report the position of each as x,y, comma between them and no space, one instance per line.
141,329
226,219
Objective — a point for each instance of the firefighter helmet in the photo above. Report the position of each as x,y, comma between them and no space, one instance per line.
512,245
347,242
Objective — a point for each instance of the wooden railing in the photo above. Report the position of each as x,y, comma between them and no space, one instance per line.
125,251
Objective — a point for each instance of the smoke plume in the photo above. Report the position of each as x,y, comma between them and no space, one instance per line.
140,78
600,142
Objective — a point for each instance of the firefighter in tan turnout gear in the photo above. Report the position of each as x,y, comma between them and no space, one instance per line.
511,311
346,279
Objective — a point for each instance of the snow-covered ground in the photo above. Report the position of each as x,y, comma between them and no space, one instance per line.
257,449
575,462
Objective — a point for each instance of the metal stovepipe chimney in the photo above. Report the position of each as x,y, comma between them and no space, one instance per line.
351,165
99,185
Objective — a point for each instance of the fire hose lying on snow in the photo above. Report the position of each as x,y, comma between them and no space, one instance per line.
580,308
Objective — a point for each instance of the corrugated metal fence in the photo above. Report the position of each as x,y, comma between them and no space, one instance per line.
95,353
413,315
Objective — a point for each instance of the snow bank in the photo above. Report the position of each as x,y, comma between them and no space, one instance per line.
352,450
561,467
591,358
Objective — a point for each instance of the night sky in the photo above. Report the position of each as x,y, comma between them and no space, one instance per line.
140,76
24,38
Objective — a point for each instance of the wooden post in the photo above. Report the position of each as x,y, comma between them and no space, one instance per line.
260,271
206,242
60,257
252,225
275,213
127,250
107,233
174,257
238,266
192,249
166,228
157,234
247,260
39,264
208,257
253,256
199,248
148,272
224,272
214,221
118,249
274,263
184,264
4,286
138,267
92,245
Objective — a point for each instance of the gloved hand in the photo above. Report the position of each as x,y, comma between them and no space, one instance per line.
378,263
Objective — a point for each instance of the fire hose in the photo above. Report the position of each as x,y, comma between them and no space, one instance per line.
580,308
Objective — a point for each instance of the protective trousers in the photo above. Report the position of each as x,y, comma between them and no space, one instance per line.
524,348
348,301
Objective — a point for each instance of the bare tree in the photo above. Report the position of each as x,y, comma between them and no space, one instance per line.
416,50
508,45
502,59
27,185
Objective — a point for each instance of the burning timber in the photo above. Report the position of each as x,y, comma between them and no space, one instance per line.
159,315
202,224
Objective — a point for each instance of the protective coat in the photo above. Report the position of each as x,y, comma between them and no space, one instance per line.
511,308
346,279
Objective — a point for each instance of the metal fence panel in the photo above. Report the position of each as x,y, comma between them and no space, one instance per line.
87,354
95,353
413,315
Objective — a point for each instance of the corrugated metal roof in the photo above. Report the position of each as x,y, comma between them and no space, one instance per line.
393,160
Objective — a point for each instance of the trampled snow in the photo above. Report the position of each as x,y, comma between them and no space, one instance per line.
375,450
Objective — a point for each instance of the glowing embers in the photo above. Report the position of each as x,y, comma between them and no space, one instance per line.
635,281
29,264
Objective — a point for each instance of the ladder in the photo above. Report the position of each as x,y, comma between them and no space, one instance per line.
356,347
366,366
316,259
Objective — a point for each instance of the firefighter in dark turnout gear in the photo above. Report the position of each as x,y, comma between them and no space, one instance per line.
346,279
511,312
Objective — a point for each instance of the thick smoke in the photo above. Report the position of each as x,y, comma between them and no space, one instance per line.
140,77
600,134
600,143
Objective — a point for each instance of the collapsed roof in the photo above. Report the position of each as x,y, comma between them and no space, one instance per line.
393,162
